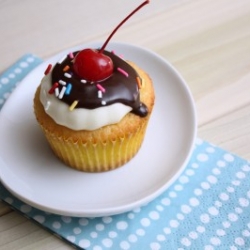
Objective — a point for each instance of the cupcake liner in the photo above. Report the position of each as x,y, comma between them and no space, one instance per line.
97,156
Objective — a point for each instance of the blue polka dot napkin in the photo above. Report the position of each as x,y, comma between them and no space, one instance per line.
207,207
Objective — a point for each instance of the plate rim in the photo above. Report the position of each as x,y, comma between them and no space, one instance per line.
140,202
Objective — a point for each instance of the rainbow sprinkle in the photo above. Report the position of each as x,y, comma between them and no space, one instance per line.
100,87
138,79
66,68
73,105
62,82
62,92
55,85
46,72
67,75
122,72
68,89
71,56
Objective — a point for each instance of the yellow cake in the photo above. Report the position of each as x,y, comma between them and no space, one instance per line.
101,129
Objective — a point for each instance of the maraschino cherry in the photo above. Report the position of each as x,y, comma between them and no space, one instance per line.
91,64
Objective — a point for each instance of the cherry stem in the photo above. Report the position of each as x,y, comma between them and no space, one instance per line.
120,24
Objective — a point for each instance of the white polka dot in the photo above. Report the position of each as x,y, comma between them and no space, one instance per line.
224,196
159,208
56,225
228,157
226,224
84,243
83,222
161,237
220,232
97,248
218,204
200,229
205,185
4,80
183,179
30,59
39,218
232,217
124,245
221,164
230,189
99,227
24,65
246,233
154,215
215,241
25,208
71,238
174,223
112,234
198,191
239,241
202,157
216,171
145,222
94,235
140,232
132,238
195,165
246,168
213,211
205,218
12,75
233,248
77,230
238,210
17,70
210,150
240,175
9,200
212,179
186,242
121,225
172,194
167,230
193,235
131,216
137,210
66,219
236,183
107,220
194,202
180,216
186,209
190,172
155,246
166,201
178,187
208,247
107,242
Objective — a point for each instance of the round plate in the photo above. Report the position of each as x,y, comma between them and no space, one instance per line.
32,173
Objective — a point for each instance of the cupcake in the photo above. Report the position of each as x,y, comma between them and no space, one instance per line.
93,108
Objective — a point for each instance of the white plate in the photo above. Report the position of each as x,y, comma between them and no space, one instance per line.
30,171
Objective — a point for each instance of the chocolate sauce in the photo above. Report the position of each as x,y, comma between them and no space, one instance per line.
118,87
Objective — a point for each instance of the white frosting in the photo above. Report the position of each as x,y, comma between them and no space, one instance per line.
79,118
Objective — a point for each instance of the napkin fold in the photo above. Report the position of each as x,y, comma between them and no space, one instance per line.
207,207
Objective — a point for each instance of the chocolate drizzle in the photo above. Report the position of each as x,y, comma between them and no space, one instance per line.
118,87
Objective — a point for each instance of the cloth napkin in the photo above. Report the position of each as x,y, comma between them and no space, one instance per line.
207,207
